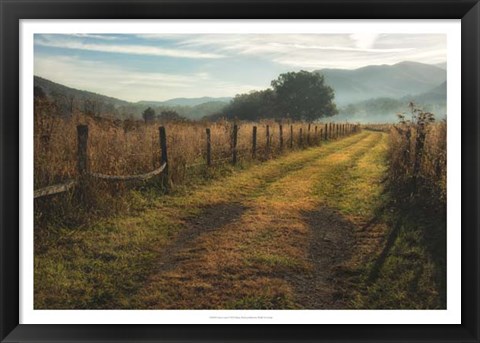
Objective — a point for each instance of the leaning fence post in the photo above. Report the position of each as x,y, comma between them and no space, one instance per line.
164,157
281,136
234,144
209,147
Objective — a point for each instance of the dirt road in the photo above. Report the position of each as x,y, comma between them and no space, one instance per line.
286,233
274,235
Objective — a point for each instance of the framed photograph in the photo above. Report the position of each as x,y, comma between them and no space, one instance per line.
225,171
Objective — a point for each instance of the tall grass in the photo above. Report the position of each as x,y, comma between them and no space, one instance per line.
131,147
410,272
418,158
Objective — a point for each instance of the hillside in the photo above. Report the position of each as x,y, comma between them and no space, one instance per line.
68,99
54,89
383,81
436,95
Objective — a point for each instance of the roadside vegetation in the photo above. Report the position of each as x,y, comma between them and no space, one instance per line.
309,219
408,269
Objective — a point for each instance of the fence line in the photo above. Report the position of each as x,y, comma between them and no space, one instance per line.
331,131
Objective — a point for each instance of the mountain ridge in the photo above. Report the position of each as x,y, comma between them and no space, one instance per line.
392,81
370,85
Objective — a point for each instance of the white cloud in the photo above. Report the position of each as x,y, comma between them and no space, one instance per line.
364,40
96,36
313,51
124,49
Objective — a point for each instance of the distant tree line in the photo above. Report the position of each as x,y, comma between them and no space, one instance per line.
295,95
67,103
165,116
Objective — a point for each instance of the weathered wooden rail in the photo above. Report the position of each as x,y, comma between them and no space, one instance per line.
83,167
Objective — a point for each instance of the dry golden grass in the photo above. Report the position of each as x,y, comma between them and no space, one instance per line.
131,147
432,159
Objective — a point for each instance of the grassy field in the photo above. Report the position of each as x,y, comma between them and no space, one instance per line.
311,229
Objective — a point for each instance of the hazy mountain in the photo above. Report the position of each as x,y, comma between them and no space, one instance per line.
442,65
390,81
186,101
386,109
378,90
436,95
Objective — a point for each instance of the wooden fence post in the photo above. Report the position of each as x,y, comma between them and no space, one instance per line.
234,144
308,135
164,157
268,141
82,162
321,135
316,134
82,144
209,147
254,142
280,127
291,136
326,132
300,139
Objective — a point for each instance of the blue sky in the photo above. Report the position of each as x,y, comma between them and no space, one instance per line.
137,67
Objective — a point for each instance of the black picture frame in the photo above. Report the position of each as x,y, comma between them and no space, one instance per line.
12,11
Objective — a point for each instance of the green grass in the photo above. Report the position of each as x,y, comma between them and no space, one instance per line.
112,262
407,268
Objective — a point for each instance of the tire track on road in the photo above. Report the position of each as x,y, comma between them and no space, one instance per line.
214,259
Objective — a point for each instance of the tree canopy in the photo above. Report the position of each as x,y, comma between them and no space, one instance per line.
148,115
303,96
295,95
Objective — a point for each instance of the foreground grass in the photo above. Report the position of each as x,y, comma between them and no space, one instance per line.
245,241
400,255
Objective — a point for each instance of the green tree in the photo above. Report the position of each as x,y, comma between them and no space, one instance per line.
303,96
170,115
148,115
251,106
